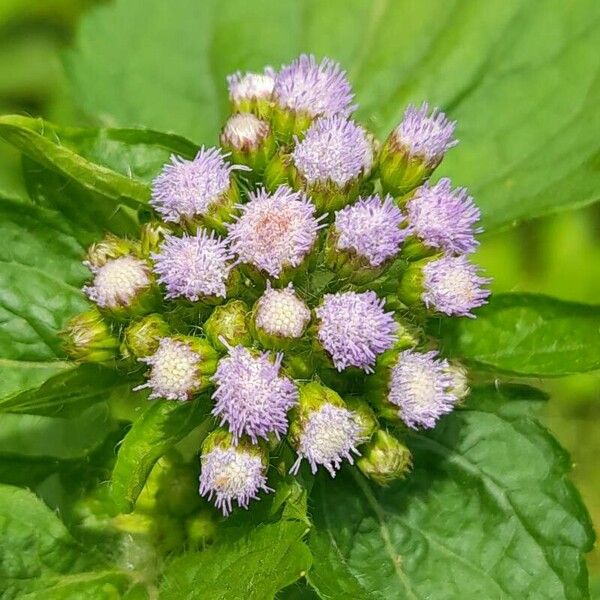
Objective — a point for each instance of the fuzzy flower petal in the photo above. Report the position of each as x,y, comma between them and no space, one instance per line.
174,371
251,396
444,218
354,329
232,474
193,266
188,188
314,88
251,86
282,313
423,134
333,149
274,230
421,387
453,286
118,281
372,228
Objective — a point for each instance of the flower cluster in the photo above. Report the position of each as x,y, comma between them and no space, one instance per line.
286,279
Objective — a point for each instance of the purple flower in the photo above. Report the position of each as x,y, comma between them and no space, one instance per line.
421,387
424,135
453,286
188,188
444,218
250,395
251,86
193,266
174,373
330,434
371,228
313,88
274,230
333,149
118,281
231,474
355,329
281,312
244,131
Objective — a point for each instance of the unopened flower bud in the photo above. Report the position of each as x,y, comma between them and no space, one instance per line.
152,235
460,385
249,140
305,90
228,323
324,430
142,337
180,368
280,317
232,473
414,149
197,192
384,459
88,338
331,161
251,92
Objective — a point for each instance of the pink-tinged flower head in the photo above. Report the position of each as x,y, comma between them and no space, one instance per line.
274,230
232,474
426,135
188,188
251,396
444,218
453,286
174,373
251,86
282,313
244,131
372,228
193,266
330,434
333,149
421,387
354,329
118,281
314,88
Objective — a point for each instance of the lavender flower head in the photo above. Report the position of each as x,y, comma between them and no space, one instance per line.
355,329
282,313
174,371
251,86
251,396
372,228
274,230
231,474
193,266
313,88
453,286
426,135
330,434
444,218
421,387
117,282
189,188
333,149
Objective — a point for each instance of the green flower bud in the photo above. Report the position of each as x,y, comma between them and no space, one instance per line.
364,414
151,236
88,338
277,171
384,459
141,338
108,248
230,322
461,381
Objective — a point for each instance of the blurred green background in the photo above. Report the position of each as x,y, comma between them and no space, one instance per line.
557,255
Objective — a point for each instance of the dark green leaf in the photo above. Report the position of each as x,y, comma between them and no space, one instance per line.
527,334
521,77
253,565
101,585
487,513
160,427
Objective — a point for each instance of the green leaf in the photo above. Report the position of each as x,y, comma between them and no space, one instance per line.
527,334
522,78
488,512
251,564
107,585
160,427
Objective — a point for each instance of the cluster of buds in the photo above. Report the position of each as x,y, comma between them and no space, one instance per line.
286,279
